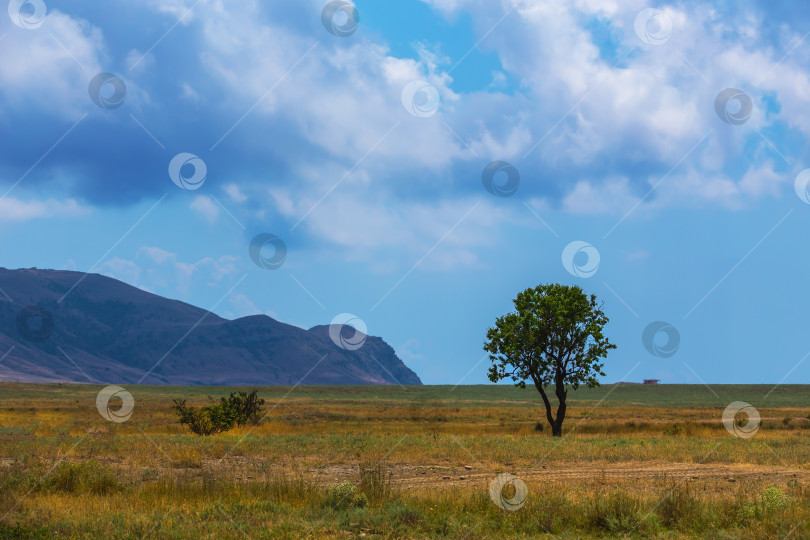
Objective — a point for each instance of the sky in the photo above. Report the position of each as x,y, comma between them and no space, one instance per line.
418,163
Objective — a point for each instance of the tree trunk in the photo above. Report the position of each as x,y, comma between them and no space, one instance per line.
547,403
562,393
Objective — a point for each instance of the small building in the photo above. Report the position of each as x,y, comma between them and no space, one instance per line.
652,381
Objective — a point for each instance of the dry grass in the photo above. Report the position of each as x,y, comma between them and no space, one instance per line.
422,459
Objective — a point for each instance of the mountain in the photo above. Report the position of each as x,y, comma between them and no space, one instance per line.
76,327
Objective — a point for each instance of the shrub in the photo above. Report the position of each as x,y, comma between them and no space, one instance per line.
344,496
769,501
203,421
772,498
244,407
239,408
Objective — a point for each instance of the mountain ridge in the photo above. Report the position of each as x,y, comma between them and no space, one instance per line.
66,326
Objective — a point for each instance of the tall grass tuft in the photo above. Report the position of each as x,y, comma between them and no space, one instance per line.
85,477
615,512
679,509
375,481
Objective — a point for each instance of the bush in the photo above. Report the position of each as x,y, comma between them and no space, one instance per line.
244,407
769,502
344,496
239,408
772,498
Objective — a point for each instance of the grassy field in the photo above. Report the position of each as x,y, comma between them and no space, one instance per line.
413,462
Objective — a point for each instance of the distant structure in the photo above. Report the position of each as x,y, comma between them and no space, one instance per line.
652,381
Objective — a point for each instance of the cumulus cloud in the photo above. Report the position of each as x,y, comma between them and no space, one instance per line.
206,207
595,120
12,209
51,66
155,269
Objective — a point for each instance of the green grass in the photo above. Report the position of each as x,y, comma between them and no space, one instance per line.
672,395
339,462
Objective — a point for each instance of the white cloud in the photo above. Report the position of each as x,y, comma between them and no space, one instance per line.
187,92
450,231
157,270
17,210
614,197
122,270
653,106
138,62
235,193
58,61
206,207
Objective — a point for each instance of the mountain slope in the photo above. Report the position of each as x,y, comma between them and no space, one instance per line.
94,328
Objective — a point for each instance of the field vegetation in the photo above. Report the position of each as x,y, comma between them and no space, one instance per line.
405,462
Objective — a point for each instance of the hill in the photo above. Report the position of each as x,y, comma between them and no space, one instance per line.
105,331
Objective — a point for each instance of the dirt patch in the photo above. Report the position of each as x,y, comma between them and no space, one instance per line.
438,476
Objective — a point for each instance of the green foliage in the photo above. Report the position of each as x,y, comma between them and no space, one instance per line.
14,532
773,498
554,335
344,496
406,515
240,408
244,408
770,502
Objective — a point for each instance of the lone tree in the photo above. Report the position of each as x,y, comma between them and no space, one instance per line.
553,336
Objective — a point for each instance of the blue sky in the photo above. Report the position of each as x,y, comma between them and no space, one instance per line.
606,110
